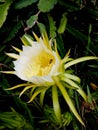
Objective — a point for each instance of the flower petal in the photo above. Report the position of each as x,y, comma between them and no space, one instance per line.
8,72
15,56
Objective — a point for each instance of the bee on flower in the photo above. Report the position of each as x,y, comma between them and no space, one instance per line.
40,64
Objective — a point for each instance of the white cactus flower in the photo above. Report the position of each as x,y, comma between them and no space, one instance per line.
37,63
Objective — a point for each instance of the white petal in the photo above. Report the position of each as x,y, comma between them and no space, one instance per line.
31,50
44,80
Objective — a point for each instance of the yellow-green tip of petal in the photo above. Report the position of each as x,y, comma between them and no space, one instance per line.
36,37
8,72
12,55
15,48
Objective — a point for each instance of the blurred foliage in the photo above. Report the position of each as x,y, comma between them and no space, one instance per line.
74,24
13,120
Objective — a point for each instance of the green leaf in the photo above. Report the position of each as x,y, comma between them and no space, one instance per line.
13,31
42,28
60,45
12,119
67,118
72,77
78,60
74,85
17,86
27,40
37,91
68,99
46,5
25,89
56,105
49,115
24,3
62,25
31,21
4,11
52,26
42,95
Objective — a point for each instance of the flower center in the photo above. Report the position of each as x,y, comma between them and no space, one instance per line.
41,64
